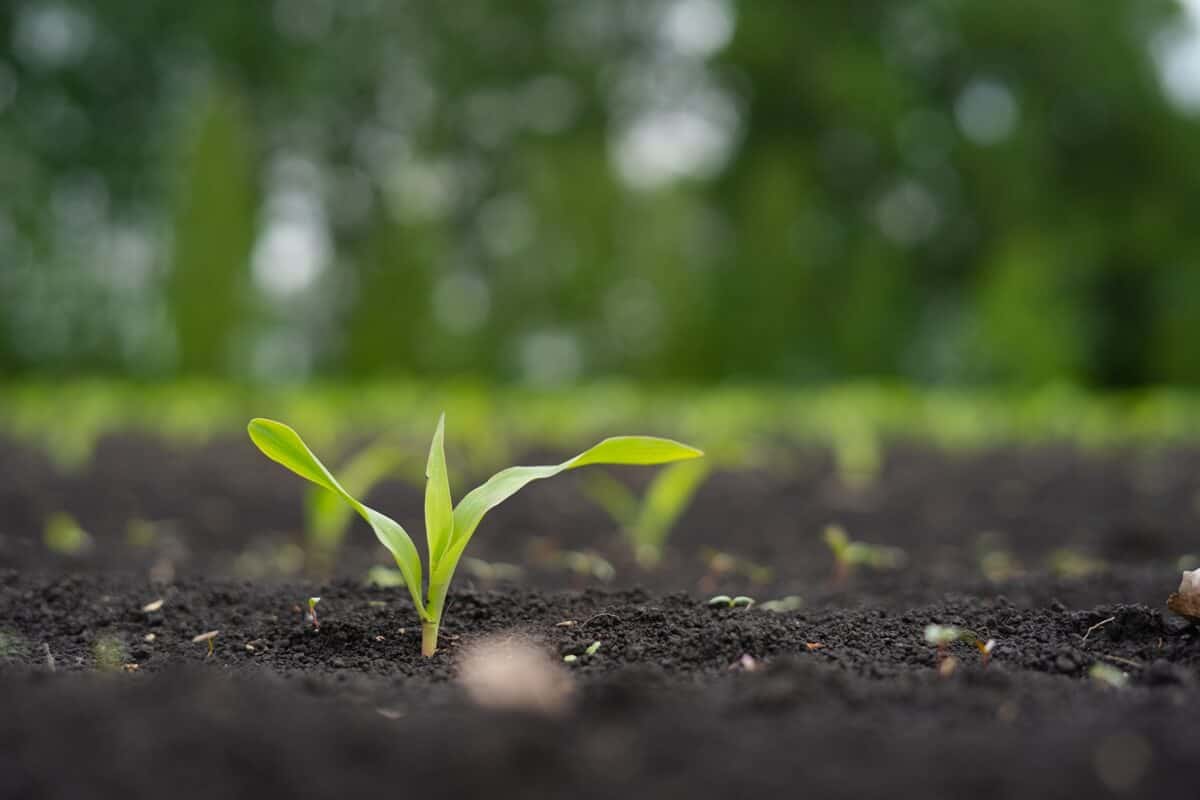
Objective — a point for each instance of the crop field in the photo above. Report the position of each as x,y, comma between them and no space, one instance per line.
852,588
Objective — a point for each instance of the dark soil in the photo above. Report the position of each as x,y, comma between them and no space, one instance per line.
840,698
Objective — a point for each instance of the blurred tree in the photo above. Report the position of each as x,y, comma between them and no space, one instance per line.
214,212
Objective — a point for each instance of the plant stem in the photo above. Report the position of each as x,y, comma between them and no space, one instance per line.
429,638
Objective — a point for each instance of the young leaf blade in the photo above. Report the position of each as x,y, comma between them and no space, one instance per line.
283,445
439,511
632,450
665,501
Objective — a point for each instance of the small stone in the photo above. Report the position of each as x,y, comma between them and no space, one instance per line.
1064,664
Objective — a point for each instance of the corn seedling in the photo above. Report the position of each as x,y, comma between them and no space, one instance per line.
725,601
647,522
942,636
849,555
312,612
449,528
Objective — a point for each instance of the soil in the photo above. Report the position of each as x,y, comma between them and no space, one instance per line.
838,697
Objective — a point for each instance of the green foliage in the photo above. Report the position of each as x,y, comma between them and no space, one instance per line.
849,555
647,523
855,226
725,601
64,535
449,528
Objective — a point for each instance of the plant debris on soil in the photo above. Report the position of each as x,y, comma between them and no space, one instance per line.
120,677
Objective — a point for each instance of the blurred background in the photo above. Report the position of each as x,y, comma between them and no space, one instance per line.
550,191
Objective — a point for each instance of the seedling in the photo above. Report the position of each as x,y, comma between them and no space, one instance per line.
207,637
449,528
945,635
1108,675
849,555
312,612
792,602
647,522
592,648
64,535
725,601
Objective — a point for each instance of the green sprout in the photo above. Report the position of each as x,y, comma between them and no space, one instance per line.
849,555
945,635
110,654
1108,675
646,523
312,612
208,638
725,601
64,535
592,648
449,528
327,518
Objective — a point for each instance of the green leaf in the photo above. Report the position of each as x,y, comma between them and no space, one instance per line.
636,450
613,496
665,501
283,445
439,512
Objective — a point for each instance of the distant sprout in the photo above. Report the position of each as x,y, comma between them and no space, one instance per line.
721,563
1074,564
152,606
725,601
647,523
64,535
592,649
312,612
110,654
492,571
849,555
140,533
1108,675
449,528
207,637
385,577
857,453
942,636
792,602
588,563
570,658
327,517
584,563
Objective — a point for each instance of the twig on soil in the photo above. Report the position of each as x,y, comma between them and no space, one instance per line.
49,657
1098,625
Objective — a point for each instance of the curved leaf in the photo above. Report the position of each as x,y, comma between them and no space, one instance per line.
635,450
283,445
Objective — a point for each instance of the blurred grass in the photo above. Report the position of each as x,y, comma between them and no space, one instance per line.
487,424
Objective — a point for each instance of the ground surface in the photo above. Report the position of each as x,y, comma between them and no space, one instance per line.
839,697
